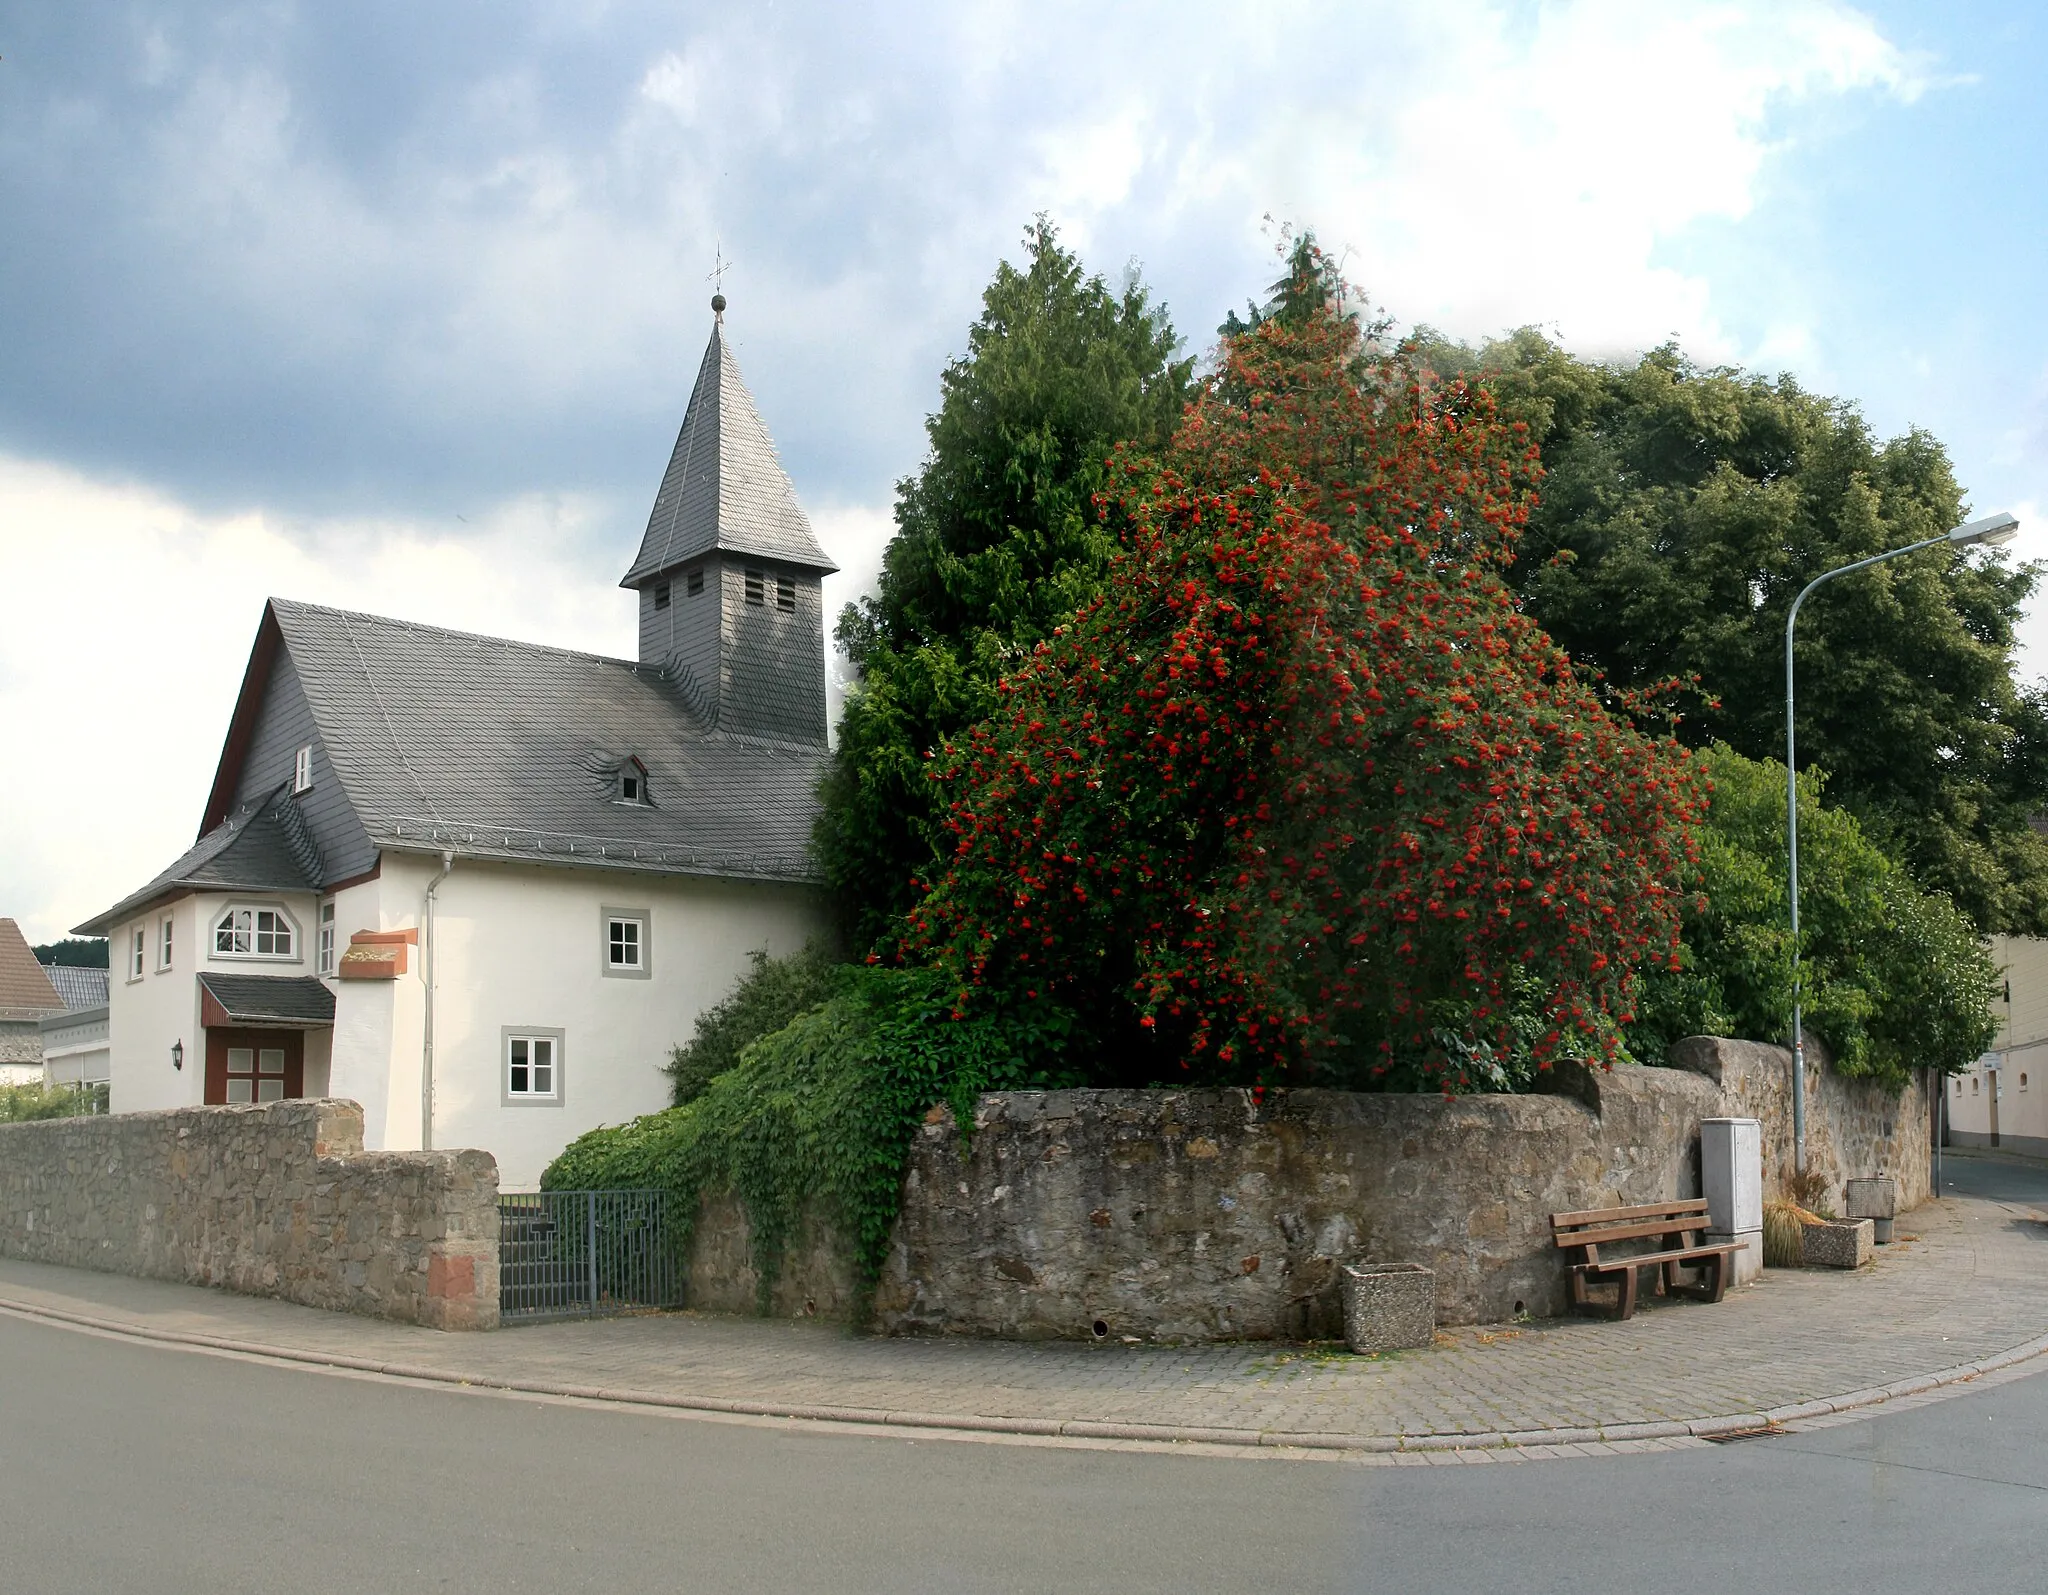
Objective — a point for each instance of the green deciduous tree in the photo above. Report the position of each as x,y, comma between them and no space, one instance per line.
1684,507
1895,979
997,538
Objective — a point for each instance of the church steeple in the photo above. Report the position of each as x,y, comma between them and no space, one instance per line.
725,489
729,571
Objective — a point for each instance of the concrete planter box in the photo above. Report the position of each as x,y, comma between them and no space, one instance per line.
1875,1197
1389,1306
1844,1245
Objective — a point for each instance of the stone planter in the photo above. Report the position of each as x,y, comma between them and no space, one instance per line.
1389,1306
1845,1245
1875,1197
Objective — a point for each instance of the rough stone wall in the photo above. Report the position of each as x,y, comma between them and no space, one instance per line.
1853,1127
1203,1215
272,1200
21,1041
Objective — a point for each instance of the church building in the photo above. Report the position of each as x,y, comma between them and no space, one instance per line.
480,886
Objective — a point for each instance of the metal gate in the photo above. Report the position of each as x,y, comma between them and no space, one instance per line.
564,1254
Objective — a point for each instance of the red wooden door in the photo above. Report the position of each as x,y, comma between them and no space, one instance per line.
255,1065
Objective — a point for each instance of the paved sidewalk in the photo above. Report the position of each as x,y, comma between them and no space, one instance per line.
1967,1284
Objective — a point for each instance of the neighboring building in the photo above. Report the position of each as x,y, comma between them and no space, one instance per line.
76,1049
482,887
2003,1099
26,999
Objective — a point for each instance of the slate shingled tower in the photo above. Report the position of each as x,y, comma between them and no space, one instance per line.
730,575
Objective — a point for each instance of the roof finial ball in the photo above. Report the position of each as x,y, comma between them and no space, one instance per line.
718,305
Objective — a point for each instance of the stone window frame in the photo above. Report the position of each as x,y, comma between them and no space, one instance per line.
644,917
559,1039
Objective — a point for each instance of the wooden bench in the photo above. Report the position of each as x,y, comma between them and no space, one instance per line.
1673,1229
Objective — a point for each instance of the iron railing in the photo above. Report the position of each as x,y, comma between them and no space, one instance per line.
566,1254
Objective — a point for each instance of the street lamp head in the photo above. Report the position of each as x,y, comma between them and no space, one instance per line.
1990,531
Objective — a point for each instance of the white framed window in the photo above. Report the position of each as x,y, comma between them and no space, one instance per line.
255,1074
137,946
302,769
626,950
255,933
324,962
533,1066
164,940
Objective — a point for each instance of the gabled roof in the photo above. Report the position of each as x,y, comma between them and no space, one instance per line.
25,989
261,847
78,988
725,488
491,748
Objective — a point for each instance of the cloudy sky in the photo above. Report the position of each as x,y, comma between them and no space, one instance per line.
397,306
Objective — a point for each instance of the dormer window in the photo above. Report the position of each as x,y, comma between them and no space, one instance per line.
756,589
632,787
302,769
254,933
661,595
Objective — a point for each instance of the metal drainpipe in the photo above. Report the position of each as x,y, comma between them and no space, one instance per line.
427,1033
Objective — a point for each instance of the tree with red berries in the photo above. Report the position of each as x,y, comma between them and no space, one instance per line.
1302,796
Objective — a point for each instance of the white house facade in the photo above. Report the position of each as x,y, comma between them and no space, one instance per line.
480,886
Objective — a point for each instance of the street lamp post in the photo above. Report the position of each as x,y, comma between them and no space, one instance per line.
1990,531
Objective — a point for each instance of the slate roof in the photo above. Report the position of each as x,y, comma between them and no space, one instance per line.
724,488
490,748
25,989
261,846
78,988
292,1000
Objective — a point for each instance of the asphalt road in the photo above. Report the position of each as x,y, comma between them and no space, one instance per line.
132,1467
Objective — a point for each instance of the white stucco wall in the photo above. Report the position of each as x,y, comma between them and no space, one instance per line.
147,1015
2014,1073
523,946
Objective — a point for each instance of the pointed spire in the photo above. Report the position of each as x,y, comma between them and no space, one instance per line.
725,489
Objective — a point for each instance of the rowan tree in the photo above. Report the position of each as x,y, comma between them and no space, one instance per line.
1302,794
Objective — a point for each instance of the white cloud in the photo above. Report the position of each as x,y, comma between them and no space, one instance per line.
129,622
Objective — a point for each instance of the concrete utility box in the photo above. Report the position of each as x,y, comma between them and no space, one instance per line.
1875,1197
1389,1306
1732,1180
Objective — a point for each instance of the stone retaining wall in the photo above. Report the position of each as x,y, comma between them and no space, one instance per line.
274,1200
1205,1215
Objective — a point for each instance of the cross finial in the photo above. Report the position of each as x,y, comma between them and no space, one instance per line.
716,277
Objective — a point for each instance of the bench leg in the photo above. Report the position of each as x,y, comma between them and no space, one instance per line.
1716,1285
1625,1299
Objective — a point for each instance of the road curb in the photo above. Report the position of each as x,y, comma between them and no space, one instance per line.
1065,1428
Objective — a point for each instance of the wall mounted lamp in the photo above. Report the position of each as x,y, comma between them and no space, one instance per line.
177,1054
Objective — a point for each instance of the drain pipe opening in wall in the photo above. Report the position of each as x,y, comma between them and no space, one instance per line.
427,1028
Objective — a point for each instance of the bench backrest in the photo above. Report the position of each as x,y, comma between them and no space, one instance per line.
1602,1226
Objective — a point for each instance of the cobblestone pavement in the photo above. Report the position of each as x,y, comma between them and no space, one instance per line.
1967,1280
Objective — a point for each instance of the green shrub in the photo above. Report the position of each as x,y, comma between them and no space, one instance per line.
1895,979
38,1101
820,1113
776,992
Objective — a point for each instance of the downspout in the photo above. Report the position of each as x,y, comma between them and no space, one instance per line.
427,1030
